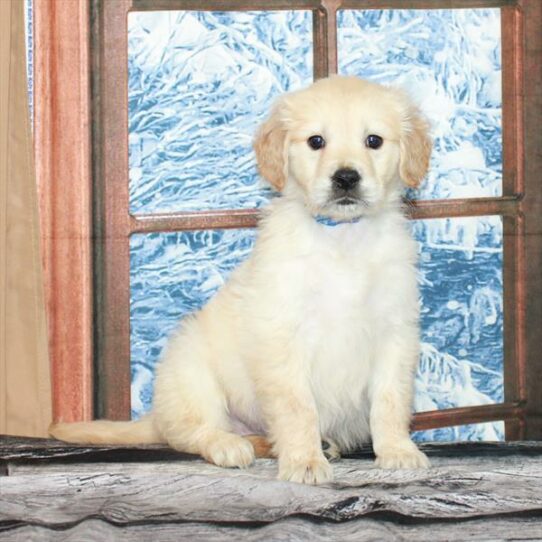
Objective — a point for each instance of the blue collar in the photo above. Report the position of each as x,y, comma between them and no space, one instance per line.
327,221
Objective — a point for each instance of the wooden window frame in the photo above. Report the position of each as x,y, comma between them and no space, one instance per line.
520,205
62,152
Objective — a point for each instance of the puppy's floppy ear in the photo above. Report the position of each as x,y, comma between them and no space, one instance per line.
415,147
271,149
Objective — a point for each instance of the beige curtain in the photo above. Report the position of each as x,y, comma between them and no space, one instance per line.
25,390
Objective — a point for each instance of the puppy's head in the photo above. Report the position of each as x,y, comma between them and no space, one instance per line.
343,145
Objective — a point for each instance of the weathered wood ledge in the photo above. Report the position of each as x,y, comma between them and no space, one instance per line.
52,491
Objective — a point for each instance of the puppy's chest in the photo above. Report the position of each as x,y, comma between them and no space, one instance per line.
334,289
335,284
339,326
336,317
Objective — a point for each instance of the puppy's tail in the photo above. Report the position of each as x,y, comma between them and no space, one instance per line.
140,431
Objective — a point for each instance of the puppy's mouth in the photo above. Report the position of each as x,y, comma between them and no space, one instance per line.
345,207
347,200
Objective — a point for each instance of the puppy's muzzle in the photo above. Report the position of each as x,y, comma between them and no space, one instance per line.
345,179
345,184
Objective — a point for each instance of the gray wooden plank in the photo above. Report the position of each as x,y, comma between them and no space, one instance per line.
38,449
290,529
482,491
202,492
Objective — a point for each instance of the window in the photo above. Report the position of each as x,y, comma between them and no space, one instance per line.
504,215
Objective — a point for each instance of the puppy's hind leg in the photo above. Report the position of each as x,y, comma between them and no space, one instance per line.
190,406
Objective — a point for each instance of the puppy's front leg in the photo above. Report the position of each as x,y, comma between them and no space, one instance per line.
391,393
292,421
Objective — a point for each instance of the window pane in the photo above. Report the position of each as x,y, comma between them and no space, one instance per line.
199,83
475,432
462,313
450,62
173,274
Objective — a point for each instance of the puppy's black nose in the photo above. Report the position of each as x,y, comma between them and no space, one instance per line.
346,178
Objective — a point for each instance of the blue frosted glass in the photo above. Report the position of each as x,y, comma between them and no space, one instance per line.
174,274
200,82
449,61
475,432
198,85
461,319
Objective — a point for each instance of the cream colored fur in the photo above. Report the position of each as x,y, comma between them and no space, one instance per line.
316,335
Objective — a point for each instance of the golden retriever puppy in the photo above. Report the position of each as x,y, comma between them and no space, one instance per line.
315,337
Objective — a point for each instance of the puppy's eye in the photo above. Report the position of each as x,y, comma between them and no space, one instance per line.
373,141
316,142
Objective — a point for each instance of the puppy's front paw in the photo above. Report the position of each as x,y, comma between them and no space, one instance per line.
405,456
316,470
229,450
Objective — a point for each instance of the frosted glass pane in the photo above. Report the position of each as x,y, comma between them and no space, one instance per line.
475,432
198,85
450,63
461,318
174,274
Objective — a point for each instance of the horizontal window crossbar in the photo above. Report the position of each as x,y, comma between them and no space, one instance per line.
224,5
248,218
223,219
425,4
466,415
505,206
269,5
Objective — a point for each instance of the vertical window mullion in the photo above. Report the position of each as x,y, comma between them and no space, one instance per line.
111,211
513,262
325,39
